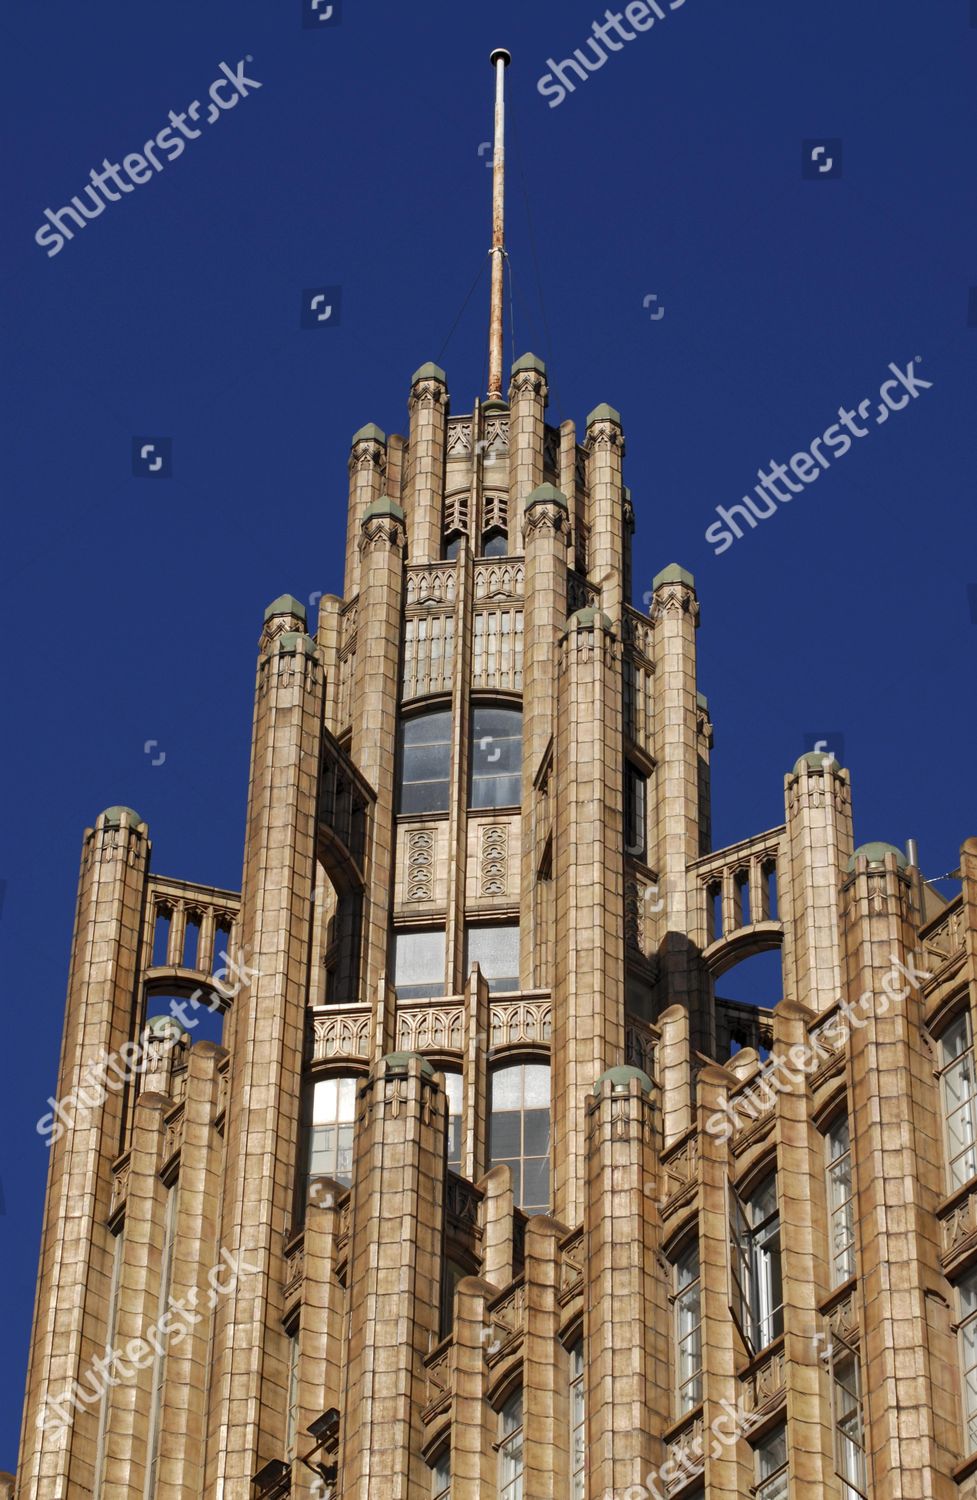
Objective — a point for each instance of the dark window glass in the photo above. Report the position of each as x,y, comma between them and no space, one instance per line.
635,817
496,757
495,544
425,759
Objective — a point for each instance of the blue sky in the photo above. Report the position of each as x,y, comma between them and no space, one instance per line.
671,179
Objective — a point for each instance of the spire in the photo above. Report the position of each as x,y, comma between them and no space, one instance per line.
500,61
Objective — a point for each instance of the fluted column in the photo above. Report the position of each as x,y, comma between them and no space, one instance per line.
84,1130
605,443
367,482
897,1150
376,692
396,1233
588,996
528,395
424,499
546,539
248,1408
626,1316
817,847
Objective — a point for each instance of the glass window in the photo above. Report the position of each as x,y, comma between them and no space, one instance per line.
331,1129
849,1436
425,761
495,544
292,1422
755,1263
418,964
578,1425
441,1476
959,1100
496,951
496,757
841,1206
519,1131
771,1466
452,547
510,1449
453,1088
688,1328
635,816
967,1334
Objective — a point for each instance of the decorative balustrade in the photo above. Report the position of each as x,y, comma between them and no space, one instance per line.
520,1021
944,940
958,1222
686,1454
120,1182
438,1366
431,1028
462,1201
503,579
640,1041
507,1320
766,1384
741,879
294,1267
341,1034
192,928
680,1169
571,1268
430,585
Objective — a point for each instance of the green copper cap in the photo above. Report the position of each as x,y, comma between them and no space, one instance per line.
285,604
115,816
529,362
587,619
370,433
291,641
619,1078
876,853
546,494
383,507
430,371
702,701
817,760
673,574
398,1062
604,413
165,1026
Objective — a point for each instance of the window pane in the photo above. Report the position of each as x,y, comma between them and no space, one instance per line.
496,757
453,1090
519,1135
496,951
418,964
425,759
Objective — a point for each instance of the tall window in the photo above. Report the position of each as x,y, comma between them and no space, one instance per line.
453,1087
495,543
496,756
425,761
510,1449
635,814
771,1466
292,1418
159,1363
578,1424
755,1262
959,1100
841,1206
688,1328
331,1129
495,949
418,964
967,1335
441,1476
519,1131
849,1434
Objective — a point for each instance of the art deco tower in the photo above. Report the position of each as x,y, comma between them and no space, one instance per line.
484,1193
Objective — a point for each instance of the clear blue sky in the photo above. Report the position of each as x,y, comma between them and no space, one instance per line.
133,605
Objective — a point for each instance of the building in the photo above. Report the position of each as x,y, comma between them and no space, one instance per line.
485,1193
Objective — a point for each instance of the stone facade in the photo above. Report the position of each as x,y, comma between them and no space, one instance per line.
728,1255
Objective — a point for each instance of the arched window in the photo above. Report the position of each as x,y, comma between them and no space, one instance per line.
958,1082
425,762
496,757
578,1424
510,1448
495,543
519,1131
330,1140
